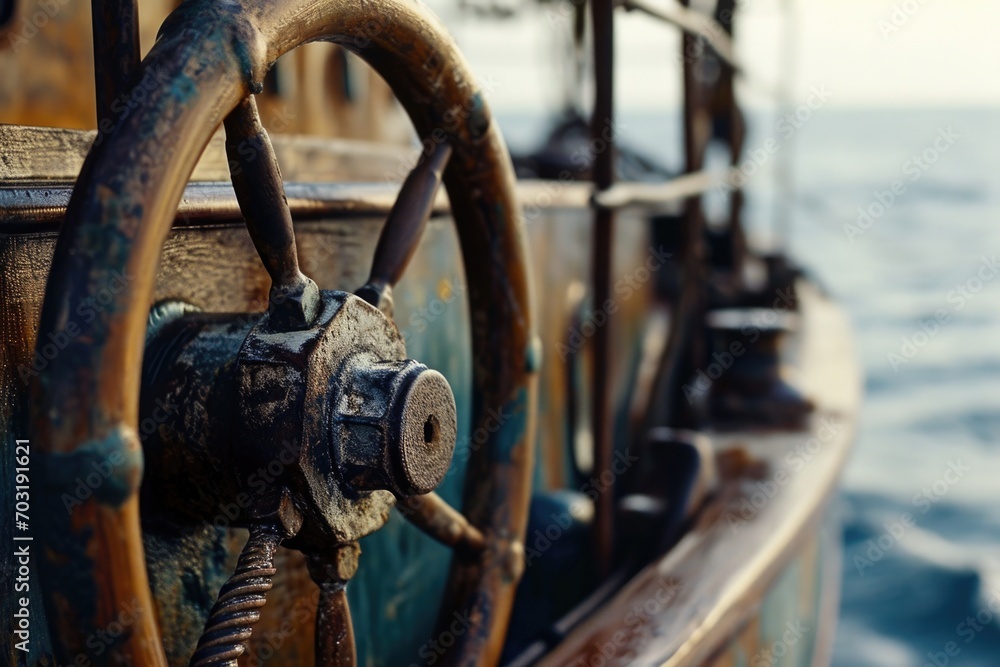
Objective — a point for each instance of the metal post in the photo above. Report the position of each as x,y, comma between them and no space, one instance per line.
602,133
116,52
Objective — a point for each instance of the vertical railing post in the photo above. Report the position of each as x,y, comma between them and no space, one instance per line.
116,53
736,133
689,312
603,143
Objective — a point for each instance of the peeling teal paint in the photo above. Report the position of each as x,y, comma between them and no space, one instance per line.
513,426
183,89
479,118
108,469
396,595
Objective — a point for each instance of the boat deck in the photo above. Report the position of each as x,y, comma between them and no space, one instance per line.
699,603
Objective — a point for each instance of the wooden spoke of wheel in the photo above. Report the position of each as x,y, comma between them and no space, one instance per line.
405,226
119,217
331,571
261,196
434,516
334,629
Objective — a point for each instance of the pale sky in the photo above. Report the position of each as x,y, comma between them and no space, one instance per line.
942,53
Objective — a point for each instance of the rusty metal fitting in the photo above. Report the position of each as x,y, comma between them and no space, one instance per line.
333,417
367,424
335,565
393,427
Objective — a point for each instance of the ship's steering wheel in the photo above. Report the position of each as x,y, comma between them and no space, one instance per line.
209,59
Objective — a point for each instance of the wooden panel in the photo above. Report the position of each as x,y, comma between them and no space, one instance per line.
55,154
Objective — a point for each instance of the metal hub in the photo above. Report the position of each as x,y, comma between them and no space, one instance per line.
334,414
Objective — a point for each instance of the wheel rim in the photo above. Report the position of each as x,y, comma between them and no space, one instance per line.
208,58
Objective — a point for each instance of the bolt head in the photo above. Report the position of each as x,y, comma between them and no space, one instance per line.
394,427
423,441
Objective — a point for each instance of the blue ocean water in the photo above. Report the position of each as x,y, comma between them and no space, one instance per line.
919,277
922,285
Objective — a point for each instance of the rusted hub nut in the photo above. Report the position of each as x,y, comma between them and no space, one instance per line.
353,424
394,426
322,428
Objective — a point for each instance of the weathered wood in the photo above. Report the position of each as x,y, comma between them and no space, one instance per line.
690,21
119,217
655,195
56,154
721,572
37,207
